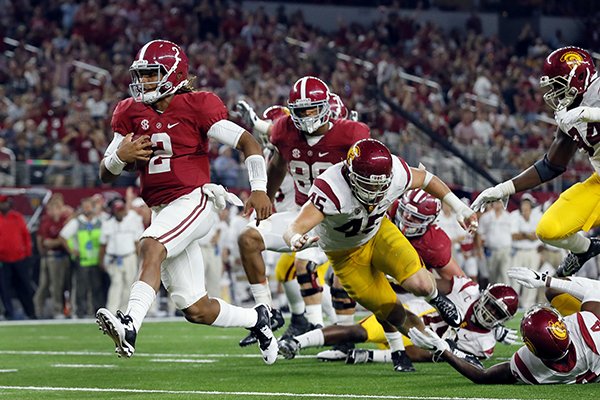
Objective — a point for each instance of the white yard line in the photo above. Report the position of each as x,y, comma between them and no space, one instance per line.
84,365
108,353
182,360
8,370
221,393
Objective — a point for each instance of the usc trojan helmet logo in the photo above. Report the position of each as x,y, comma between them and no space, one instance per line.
572,59
557,329
352,154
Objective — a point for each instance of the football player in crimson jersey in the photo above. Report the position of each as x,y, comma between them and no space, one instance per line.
556,350
346,208
164,129
307,141
571,77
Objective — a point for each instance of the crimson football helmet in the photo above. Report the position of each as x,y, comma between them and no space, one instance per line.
163,59
544,332
309,93
498,303
338,109
369,170
568,73
275,112
417,209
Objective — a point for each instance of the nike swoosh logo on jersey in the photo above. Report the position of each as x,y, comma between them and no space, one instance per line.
323,154
169,126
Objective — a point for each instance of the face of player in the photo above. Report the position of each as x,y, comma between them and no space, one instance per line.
149,78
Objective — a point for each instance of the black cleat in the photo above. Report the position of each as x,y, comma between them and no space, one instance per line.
401,362
447,310
573,262
289,348
277,322
359,356
120,329
298,325
262,332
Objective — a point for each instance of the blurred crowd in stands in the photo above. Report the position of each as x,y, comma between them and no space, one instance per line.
66,66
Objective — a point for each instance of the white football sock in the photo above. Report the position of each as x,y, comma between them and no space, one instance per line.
394,340
382,356
262,293
234,316
327,305
292,293
141,298
313,314
345,319
311,339
576,243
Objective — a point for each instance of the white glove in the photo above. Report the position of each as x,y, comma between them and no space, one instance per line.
300,242
527,277
505,335
428,340
499,192
220,196
247,113
467,219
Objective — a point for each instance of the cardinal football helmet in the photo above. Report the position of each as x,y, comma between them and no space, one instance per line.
273,113
338,109
309,93
568,73
544,333
163,59
369,170
498,303
417,209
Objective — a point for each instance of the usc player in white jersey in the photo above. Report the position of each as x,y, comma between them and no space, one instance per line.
574,87
557,350
346,208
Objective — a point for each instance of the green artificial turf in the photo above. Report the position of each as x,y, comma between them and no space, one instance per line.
178,360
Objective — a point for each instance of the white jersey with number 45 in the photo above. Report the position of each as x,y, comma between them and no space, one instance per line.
348,223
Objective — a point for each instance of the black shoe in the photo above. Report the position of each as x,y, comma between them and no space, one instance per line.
573,262
447,310
277,322
120,329
359,356
262,331
401,362
289,348
298,325
470,358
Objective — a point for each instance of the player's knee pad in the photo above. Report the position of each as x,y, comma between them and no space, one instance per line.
310,277
341,300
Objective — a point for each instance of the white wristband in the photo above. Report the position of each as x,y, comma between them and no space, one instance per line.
507,188
454,202
262,126
257,172
114,164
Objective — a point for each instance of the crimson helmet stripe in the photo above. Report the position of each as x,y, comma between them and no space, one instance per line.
326,189
524,372
587,338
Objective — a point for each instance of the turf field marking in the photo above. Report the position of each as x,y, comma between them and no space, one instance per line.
84,365
8,370
179,360
214,392
155,355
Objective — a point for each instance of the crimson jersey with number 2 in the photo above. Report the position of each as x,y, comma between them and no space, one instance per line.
179,138
306,161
